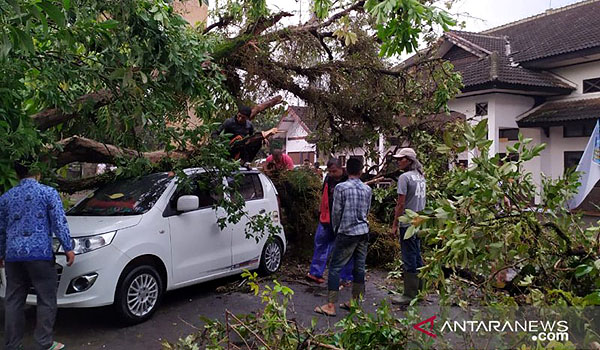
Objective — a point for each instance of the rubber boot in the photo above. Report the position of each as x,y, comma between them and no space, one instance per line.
358,290
411,289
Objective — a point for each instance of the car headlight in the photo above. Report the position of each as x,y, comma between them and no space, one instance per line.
87,244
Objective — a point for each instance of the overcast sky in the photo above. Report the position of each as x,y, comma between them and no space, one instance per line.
478,14
492,13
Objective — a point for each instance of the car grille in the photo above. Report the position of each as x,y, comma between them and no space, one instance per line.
59,271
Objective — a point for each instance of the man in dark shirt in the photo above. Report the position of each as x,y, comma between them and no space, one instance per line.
240,125
324,237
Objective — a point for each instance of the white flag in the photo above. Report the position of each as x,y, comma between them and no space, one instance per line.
589,166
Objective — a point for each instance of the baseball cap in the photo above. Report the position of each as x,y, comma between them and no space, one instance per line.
406,152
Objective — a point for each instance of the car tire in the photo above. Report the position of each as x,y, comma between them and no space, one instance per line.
272,254
138,294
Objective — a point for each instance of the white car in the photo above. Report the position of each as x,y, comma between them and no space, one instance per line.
136,239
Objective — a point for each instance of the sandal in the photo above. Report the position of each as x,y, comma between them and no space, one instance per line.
345,306
315,278
320,310
56,346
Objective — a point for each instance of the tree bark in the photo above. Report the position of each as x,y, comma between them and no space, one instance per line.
265,105
54,116
81,149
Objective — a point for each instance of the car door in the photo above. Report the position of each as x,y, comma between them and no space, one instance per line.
246,251
199,248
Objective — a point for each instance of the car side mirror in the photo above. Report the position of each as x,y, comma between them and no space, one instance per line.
188,203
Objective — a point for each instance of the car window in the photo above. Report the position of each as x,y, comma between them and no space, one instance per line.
124,197
202,186
251,187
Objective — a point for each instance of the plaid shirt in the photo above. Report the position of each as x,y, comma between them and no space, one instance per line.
351,204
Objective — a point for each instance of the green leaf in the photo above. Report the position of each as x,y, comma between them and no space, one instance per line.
109,24
53,12
593,298
582,270
67,4
410,232
25,40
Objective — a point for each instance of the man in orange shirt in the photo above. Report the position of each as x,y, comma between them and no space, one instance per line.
324,237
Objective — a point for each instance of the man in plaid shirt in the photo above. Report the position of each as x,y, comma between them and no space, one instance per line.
351,204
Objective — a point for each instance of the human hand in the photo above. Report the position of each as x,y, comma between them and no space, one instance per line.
70,257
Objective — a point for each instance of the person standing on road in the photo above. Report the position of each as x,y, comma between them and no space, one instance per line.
30,213
411,195
351,204
324,237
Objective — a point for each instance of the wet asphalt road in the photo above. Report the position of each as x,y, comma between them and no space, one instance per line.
181,310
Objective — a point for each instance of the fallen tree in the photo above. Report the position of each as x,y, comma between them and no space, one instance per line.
115,81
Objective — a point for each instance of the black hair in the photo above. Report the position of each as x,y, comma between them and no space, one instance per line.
354,166
334,161
307,160
317,164
245,110
22,169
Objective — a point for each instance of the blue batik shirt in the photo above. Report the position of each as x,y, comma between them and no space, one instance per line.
30,214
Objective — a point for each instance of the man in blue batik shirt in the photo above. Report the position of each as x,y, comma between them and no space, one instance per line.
30,213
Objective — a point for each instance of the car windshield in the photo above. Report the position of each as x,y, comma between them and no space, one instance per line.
124,197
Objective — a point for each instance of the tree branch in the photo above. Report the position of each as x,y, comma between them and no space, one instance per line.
81,149
223,22
265,105
54,116
313,26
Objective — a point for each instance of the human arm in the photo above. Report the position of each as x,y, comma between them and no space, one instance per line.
221,129
59,225
400,202
289,162
337,210
398,212
3,226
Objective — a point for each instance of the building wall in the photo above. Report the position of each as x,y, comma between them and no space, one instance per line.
575,74
194,11
559,145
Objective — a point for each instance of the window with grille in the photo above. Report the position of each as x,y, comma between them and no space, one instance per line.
510,134
579,129
481,108
572,159
591,85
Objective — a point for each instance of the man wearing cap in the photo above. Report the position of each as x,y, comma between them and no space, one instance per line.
411,195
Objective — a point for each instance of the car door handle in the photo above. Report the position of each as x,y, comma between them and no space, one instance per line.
262,211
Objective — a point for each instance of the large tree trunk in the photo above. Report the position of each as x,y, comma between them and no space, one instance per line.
81,149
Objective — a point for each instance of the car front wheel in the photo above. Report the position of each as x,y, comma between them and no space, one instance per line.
271,257
139,294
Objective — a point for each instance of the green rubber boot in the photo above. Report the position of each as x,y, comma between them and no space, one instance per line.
411,289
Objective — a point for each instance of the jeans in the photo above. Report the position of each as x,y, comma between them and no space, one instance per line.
411,252
324,238
346,248
20,276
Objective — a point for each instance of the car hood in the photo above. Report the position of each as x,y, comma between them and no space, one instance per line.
81,226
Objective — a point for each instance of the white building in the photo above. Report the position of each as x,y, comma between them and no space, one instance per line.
539,76
295,126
